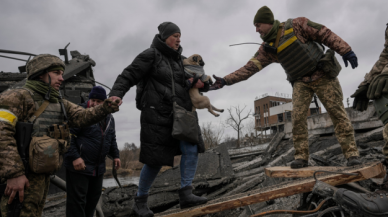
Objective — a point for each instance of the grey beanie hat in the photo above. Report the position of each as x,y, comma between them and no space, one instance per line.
167,28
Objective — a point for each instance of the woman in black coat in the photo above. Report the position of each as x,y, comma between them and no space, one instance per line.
150,71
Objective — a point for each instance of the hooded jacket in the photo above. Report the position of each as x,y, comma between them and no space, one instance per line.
92,144
158,147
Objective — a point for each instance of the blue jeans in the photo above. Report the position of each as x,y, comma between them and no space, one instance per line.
188,167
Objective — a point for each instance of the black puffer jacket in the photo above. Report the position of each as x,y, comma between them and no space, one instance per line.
151,72
87,144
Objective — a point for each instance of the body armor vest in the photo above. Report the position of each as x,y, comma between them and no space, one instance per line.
53,114
297,59
50,137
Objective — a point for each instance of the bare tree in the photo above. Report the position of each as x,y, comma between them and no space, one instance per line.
235,121
211,135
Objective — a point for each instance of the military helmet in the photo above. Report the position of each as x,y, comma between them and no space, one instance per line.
381,107
40,63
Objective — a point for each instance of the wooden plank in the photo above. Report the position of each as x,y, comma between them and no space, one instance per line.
366,171
287,172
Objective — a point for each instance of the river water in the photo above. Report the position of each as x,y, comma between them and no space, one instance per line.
124,180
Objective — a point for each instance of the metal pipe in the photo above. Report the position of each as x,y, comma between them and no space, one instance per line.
245,43
13,58
60,183
17,52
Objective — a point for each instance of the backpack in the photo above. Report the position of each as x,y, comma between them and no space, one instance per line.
140,87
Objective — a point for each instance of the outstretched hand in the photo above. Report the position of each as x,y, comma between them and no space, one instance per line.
114,98
111,106
352,58
198,84
220,83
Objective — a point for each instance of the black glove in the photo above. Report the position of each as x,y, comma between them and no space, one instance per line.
361,100
378,86
220,83
352,58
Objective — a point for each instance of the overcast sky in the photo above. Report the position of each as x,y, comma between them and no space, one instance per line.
114,32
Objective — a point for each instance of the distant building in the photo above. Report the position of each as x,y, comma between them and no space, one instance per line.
272,112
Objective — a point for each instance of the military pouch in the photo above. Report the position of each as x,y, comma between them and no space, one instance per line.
329,64
46,154
57,131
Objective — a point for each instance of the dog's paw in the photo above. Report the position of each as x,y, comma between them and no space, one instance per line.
222,110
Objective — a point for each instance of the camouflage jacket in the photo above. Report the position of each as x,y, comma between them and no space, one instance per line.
304,31
18,105
381,66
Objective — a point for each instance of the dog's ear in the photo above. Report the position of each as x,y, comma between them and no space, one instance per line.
195,58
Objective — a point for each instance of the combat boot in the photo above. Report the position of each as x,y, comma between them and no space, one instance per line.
384,185
140,207
370,204
353,161
188,199
299,163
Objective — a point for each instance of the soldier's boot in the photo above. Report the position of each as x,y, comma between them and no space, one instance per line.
140,207
384,185
299,163
188,199
370,204
353,161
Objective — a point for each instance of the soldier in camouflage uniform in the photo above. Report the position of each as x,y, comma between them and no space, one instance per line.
300,55
374,87
20,105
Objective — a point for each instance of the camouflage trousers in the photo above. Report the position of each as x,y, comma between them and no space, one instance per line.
329,92
34,196
385,135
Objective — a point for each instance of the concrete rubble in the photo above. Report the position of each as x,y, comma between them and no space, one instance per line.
225,171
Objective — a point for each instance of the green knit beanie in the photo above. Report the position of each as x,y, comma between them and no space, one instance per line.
264,15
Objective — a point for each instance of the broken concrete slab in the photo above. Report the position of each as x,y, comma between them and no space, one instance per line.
249,165
274,143
247,151
322,124
247,185
212,165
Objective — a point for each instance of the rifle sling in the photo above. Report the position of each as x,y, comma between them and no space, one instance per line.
279,34
39,111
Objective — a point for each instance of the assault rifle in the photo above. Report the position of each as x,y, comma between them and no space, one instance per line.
23,139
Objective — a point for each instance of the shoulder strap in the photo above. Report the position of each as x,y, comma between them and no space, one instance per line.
172,80
63,107
39,111
279,34
156,60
